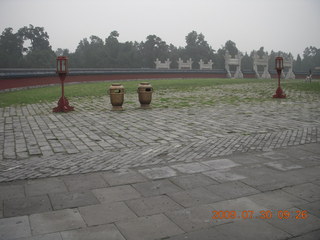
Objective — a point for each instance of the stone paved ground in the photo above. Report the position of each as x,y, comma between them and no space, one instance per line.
159,173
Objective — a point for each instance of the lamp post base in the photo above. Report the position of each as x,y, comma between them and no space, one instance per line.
279,93
63,106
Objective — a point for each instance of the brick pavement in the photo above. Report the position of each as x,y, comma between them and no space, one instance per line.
159,174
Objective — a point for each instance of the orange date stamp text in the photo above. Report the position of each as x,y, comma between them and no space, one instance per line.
263,214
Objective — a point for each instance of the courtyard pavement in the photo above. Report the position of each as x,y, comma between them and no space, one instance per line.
229,171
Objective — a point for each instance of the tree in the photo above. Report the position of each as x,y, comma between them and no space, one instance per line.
197,48
40,53
231,47
154,47
11,48
297,65
246,62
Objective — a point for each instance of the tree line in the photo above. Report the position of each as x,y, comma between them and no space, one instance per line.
29,47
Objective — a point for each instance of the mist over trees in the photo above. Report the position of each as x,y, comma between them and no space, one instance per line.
29,47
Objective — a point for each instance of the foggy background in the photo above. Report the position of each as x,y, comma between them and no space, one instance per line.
286,25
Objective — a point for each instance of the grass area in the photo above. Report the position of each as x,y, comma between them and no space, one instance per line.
300,85
170,92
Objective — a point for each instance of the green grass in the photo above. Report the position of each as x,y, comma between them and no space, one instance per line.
88,91
300,85
97,89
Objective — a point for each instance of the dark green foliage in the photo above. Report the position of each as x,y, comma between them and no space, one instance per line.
110,53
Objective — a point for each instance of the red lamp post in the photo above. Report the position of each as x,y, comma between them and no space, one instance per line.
279,67
62,70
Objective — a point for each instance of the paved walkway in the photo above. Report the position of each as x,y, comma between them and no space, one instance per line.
221,172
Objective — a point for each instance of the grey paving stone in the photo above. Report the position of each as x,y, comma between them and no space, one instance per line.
309,160
245,158
50,236
15,227
81,182
49,222
72,200
102,232
150,227
283,165
295,226
314,235
266,179
194,197
277,200
224,175
239,205
195,218
123,177
114,194
274,155
234,189
218,164
11,191
312,208
152,205
158,187
306,191
314,148
191,167
204,234
44,186
105,213
158,172
193,181
251,229
26,206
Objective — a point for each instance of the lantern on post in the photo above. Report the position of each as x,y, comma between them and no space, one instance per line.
279,67
62,70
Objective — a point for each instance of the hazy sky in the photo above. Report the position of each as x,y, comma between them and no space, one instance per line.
287,25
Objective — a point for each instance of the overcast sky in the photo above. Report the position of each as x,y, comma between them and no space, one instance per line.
287,25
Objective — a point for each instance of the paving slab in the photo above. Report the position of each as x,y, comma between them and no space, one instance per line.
15,227
296,226
314,235
157,187
11,191
191,167
50,236
72,200
259,177
150,227
251,230
194,197
105,213
123,177
192,181
26,206
49,222
114,194
312,208
82,182
277,200
102,232
283,165
152,205
158,172
220,164
240,205
203,234
195,218
45,186
233,189
306,191
224,175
